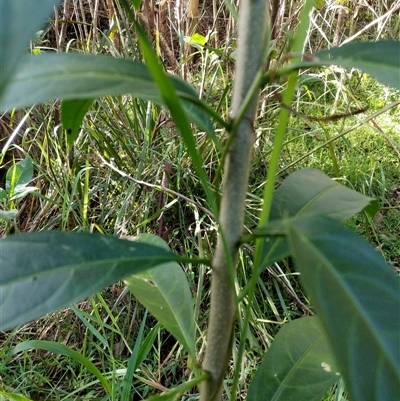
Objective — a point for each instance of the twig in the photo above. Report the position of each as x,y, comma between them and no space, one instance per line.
162,231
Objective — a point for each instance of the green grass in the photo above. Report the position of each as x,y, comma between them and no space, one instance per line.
82,193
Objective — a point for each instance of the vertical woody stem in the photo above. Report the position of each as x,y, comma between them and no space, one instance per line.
253,23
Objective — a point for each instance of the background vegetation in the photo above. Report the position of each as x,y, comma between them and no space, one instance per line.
129,149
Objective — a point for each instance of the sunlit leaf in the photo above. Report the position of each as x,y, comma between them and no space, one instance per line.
310,192
319,4
196,40
199,39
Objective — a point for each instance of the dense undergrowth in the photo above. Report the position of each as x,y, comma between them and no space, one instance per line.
129,173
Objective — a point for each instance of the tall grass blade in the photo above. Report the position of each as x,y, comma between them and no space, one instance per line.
62,349
165,292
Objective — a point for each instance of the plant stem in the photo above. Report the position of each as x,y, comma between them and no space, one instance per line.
270,183
252,48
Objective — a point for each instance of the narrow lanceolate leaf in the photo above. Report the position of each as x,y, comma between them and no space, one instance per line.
298,366
72,114
165,292
309,192
42,272
357,299
76,76
379,59
62,349
13,41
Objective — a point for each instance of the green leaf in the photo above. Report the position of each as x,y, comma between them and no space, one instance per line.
319,4
356,295
136,4
77,76
379,59
62,349
138,354
14,397
81,315
177,392
72,114
165,292
21,190
18,176
14,42
45,271
298,366
196,40
309,192
171,99
8,215
274,249
3,195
